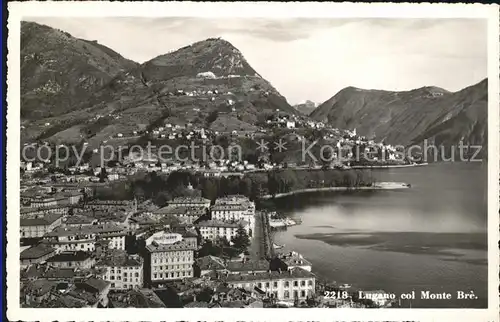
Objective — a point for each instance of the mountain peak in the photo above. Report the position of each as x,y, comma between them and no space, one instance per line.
432,90
214,55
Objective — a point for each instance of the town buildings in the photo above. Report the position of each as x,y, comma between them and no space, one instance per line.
169,257
52,199
78,259
210,264
234,208
123,271
190,202
84,238
247,267
28,212
216,229
296,284
293,260
83,258
36,254
185,214
39,225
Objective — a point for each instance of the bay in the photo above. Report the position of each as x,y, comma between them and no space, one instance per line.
432,237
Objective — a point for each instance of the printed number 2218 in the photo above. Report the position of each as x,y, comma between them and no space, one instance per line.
339,295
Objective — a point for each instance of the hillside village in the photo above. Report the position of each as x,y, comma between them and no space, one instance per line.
83,250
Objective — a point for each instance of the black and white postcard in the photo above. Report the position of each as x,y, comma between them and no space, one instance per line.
327,159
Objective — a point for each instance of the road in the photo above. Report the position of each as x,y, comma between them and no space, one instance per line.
258,247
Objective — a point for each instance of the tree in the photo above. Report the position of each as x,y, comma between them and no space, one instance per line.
162,198
233,186
349,178
245,186
208,248
139,193
241,240
209,189
212,117
230,252
287,180
255,191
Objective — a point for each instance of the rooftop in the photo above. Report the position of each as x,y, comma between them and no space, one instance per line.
270,275
233,207
120,259
190,200
141,298
181,210
96,283
232,198
39,287
293,258
210,262
91,229
26,210
70,257
42,220
79,220
219,223
109,202
47,272
36,251
179,246
197,305
251,265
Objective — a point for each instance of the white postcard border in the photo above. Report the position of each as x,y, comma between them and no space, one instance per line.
18,10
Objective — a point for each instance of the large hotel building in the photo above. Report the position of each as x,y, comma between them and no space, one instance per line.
169,257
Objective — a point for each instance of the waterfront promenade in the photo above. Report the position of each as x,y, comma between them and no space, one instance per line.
261,246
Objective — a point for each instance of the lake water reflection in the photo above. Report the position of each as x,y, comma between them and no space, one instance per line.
430,237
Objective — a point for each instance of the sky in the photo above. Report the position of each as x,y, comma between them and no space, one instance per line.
312,59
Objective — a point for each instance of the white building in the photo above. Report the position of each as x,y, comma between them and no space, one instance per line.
163,237
123,271
190,202
215,229
295,260
296,284
183,213
206,75
40,225
169,258
234,208
84,238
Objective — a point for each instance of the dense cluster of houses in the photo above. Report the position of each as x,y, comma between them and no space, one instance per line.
82,252
105,253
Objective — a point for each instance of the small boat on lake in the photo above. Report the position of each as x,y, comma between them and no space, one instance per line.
282,223
276,246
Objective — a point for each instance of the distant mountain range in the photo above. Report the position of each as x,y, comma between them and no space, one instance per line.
409,117
306,108
75,90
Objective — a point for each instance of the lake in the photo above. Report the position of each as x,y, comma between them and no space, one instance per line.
431,237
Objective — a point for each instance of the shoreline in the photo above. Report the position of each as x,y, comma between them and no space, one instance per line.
347,168
375,186
389,166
